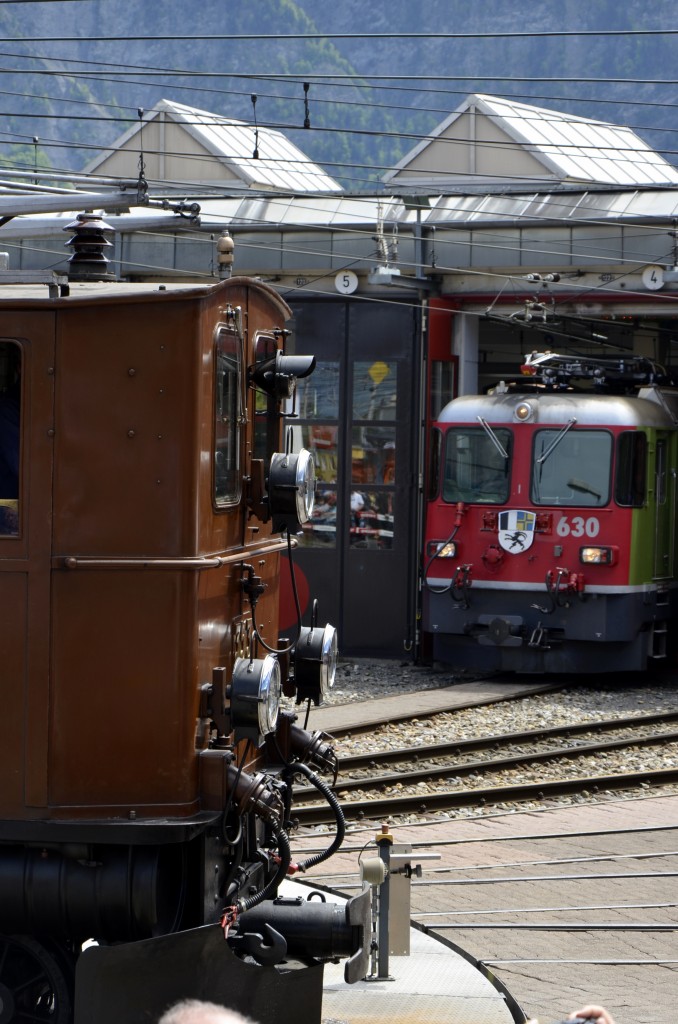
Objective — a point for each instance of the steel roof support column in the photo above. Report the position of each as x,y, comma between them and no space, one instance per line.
465,330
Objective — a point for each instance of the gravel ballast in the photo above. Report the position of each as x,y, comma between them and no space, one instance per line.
601,698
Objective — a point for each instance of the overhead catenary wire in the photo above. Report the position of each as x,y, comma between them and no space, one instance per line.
236,37
486,241
359,82
368,200
536,184
609,152
334,79
292,126
362,298
337,81
467,270
221,120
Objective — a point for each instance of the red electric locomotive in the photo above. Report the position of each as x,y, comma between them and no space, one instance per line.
146,764
550,525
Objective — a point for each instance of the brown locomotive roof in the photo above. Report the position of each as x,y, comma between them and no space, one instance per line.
100,292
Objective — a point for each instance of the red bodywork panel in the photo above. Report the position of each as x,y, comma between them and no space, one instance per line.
559,533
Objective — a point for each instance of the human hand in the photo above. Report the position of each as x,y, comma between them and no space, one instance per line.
595,1014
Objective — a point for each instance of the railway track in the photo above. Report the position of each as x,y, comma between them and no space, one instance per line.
442,776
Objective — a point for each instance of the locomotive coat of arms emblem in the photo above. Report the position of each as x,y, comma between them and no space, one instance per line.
516,530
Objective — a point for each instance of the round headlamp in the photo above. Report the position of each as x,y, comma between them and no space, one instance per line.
315,662
291,490
523,412
255,697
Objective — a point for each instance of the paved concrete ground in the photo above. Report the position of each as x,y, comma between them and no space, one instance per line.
545,868
361,713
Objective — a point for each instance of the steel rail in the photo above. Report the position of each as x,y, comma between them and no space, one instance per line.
544,910
352,762
424,882
513,879
445,800
598,859
609,962
562,926
522,837
432,772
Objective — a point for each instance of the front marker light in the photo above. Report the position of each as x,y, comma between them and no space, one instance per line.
441,549
278,375
255,697
291,490
599,555
315,662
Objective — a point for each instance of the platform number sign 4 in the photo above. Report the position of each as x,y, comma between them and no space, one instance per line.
653,278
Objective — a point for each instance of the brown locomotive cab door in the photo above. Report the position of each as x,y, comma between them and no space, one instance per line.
26,429
131,410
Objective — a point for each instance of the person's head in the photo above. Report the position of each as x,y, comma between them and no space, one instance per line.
195,1011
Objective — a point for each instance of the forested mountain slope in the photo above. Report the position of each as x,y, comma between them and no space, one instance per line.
379,97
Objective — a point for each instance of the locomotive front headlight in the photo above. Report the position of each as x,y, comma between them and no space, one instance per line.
598,555
441,549
278,375
291,490
255,697
315,662
523,412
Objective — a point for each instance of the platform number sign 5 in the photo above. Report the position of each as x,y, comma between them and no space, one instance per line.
346,282
577,526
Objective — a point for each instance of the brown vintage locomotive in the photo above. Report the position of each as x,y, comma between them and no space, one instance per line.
145,764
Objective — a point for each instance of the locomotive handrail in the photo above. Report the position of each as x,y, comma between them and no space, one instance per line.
215,562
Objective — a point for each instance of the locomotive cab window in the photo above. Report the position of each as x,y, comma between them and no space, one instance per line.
227,408
10,435
629,485
266,420
571,467
477,465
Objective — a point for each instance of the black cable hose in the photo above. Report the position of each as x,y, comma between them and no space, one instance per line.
273,882
295,594
338,814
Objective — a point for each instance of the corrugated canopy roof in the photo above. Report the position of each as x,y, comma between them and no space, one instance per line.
495,134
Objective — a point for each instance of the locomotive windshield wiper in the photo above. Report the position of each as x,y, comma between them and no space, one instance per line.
493,437
581,485
556,440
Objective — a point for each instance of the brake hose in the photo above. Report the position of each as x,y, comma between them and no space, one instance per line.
338,815
275,880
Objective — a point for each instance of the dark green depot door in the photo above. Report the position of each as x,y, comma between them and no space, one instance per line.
359,415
